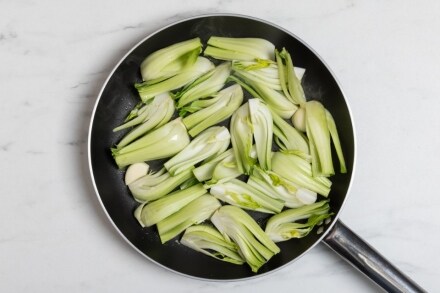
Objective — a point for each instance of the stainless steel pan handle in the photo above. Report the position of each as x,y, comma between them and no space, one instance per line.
367,260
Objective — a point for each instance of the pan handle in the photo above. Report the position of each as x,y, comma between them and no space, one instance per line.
367,260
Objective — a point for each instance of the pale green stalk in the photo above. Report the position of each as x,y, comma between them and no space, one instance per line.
160,143
209,241
262,125
247,49
149,187
254,245
213,141
195,212
228,100
154,212
285,226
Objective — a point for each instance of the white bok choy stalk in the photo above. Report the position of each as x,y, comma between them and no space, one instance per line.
290,83
205,86
170,60
149,214
274,99
150,116
148,90
163,142
246,49
195,212
210,241
241,139
321,128
288,138
204,171
225,170
291,194
156,185
262,72
255,246
262,125
299,171
225,103
285,225
208,144
240,194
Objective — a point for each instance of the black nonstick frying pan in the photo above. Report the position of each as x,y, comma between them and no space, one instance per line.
118,97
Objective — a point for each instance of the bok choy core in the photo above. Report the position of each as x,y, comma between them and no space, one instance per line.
254,245
247,49
162,142
211,142
285,225
210,241
171,60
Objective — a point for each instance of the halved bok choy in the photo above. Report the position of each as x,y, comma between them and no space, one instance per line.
149,214
205,86
240,194
170,60
208,240
163,142
150,116
246,49
255,246
195,212
290,223
223,105
147,90
210,143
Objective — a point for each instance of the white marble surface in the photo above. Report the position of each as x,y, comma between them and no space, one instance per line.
54,57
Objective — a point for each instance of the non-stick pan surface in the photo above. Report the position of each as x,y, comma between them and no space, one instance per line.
117,98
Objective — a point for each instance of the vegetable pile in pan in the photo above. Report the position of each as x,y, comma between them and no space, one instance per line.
274,156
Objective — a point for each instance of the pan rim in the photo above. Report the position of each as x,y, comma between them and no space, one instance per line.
335,218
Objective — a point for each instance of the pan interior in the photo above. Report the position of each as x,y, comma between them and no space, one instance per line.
119,97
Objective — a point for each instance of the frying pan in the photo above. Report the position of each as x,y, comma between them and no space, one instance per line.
118,97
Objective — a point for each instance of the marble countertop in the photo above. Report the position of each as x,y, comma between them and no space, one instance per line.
55,56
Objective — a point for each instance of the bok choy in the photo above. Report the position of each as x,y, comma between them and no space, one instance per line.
299,171
147,90
246,49
254,245
210,241
321,128
285,225
170,60
213,141
272,184
225,103
204,172
162,142
204,86
155,185
150,116
197,211
262,124
149,214
240,194
241,139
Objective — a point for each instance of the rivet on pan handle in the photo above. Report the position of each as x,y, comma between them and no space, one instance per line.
367,260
